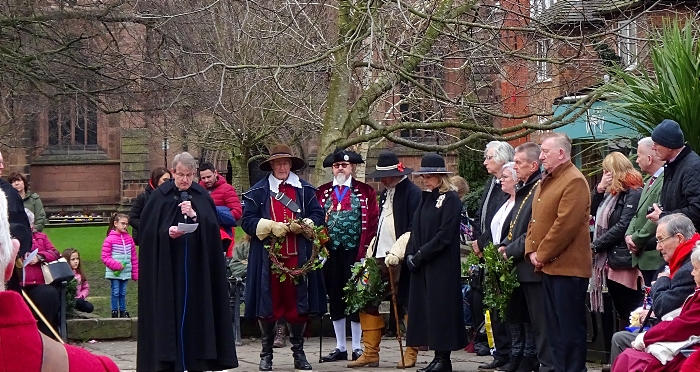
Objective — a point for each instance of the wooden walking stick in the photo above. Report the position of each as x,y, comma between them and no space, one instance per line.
396,313
41,316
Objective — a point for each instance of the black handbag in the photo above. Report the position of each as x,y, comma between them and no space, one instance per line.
620,257
57,271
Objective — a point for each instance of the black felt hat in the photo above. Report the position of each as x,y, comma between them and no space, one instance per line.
342,155
432,163
388,165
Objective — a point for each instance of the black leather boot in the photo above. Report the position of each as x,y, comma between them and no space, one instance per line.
296,337
267,338
442,362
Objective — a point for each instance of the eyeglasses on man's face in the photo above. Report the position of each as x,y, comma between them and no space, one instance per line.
341,165
661,240
488,157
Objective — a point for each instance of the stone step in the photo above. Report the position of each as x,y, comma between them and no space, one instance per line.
120,328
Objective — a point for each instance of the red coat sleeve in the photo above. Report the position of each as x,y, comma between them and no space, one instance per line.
233,203
681,327
81,360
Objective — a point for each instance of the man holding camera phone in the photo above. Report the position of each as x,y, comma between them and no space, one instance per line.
680,192
640,233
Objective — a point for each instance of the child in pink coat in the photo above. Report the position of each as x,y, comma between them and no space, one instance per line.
119,256
83,290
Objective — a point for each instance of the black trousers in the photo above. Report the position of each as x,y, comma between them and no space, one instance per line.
46,299
624,299
565,309
336,273
532,292
83,305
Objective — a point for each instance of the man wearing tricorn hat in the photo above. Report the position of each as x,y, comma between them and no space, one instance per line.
398,202
351,215
270,206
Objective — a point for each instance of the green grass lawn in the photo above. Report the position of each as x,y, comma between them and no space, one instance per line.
88,241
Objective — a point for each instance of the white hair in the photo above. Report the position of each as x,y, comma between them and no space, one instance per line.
646,142
510,165
503,152
186,159
5,239
695,256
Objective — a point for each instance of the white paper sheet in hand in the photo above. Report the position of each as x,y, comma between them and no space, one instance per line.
187,227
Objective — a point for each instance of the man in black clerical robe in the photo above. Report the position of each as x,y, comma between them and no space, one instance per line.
184,320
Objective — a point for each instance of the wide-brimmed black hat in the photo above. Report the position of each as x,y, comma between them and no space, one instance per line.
388,165
341,155
282,151
432,163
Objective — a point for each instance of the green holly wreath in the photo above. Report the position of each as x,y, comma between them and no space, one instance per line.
365,286
318,237
500,279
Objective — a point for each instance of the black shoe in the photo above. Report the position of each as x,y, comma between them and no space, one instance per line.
529,364
124,314
512,364
115,314
493,365
335,356
356,354
429,367
441,365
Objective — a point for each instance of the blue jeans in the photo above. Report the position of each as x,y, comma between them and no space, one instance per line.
118,294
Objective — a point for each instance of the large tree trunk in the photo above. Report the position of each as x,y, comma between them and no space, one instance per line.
240,179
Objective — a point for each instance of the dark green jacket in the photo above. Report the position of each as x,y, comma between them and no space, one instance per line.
643,231
33,203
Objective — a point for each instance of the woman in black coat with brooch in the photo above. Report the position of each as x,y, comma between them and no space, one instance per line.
432,256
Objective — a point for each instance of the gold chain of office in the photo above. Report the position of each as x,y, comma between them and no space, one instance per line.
512,223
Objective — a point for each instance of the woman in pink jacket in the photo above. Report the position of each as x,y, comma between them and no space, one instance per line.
45,296
119,255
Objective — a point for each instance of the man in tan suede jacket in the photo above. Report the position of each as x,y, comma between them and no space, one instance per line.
558,244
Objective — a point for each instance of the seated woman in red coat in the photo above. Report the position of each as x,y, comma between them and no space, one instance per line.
646,350
22,346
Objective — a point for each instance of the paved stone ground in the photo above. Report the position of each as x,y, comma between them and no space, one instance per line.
124,354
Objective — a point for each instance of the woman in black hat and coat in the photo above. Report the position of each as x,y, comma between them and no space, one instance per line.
432,256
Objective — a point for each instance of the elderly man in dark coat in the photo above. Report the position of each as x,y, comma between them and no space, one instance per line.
351,217
432,256
184,314
398,203
525,311
270,206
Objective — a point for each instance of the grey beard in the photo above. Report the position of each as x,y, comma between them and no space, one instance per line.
341,178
